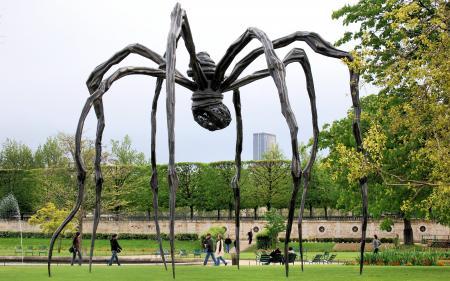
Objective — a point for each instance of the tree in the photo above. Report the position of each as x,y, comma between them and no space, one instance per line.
271,178
49,218
124,154
275,225
188,185
15,155
50,155
119,176
404,48
67,143
387,155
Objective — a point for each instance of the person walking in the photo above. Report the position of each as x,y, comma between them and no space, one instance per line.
250,237
208,244
219,251
227,244
115,249
376,244
76,248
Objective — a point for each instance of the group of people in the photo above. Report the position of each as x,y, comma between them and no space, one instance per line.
76,249
222,246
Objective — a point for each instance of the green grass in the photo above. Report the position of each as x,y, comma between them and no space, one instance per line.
246,273
102,247
145,247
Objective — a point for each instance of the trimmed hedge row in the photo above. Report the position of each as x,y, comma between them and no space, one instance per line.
391,257
339,240
106,236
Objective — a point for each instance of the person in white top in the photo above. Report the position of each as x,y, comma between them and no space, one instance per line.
220,250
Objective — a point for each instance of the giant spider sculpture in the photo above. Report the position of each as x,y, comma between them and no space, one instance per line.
208,85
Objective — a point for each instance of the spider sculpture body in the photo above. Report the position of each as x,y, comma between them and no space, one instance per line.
208,85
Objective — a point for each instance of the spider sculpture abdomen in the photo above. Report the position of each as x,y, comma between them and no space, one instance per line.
207,106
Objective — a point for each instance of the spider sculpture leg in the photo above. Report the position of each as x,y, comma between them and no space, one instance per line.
295,55
154,178
319,45
277,71
98,107
179,26
238,164
92,100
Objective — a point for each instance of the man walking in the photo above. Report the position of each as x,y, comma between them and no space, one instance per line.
376,244
76,248
250,237
208,244
115,248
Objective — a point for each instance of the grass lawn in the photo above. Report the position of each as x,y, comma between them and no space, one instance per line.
102,247
199,273
146,247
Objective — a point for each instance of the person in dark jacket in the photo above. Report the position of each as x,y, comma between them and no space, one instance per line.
250,236
76,247
115,248
227,244
209,247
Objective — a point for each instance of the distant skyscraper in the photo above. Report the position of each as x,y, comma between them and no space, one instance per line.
262,142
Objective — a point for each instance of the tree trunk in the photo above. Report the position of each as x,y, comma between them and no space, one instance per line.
310,211
255,213
149,214
269,206
218,214
192,212
326,212
408,238
59,244
230,211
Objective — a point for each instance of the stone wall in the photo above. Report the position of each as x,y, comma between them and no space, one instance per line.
311,228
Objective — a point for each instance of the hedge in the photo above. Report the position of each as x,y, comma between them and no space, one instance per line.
263,240
105,236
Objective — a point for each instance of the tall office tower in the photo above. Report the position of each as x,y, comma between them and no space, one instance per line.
262,142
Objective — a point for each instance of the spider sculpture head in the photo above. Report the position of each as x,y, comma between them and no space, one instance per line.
207,106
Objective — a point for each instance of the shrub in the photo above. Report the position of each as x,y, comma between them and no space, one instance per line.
391,257
214,231
263,240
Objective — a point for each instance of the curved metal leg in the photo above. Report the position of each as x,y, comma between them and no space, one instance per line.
354,90
98,106
95,97
175,29
238,164
154,179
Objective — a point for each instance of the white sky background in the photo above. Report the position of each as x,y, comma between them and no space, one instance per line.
49,48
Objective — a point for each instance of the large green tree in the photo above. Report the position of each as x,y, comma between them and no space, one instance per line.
403,47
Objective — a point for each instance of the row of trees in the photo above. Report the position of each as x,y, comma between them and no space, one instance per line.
47,176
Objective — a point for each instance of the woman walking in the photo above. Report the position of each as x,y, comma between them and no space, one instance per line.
76,248
220,251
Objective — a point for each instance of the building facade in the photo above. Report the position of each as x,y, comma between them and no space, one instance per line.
262,142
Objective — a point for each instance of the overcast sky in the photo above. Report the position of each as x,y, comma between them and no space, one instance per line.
49,48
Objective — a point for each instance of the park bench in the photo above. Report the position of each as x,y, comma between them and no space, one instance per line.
183,253
42,250
30,250
263,259
18,250
330,259
197,253
291,258
316,259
